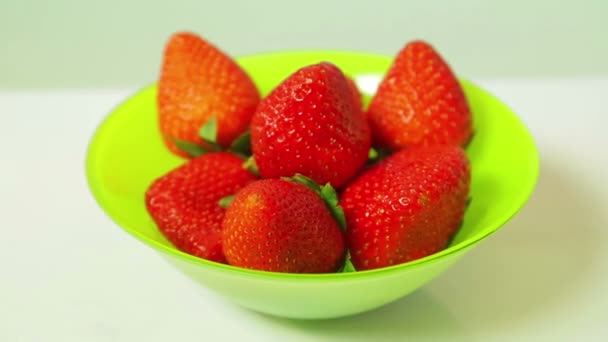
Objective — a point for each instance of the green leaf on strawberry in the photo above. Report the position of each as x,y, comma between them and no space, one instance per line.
373,154
251,166
242,144
208,133
190,148
376,154
199,81
225,201
348,265
327,193
300,178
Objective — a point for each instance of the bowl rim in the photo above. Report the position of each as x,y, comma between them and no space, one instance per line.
526,190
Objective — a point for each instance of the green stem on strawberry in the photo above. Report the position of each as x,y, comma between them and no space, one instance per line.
330,197
376,153
208,133
373,154
241,146
348,265
300,178
192,149
327,193
251,166
225,201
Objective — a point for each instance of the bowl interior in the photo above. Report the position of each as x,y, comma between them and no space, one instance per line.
126,154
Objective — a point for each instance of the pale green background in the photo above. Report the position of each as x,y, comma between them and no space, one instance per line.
70,43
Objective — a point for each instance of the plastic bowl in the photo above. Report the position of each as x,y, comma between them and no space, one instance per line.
126,154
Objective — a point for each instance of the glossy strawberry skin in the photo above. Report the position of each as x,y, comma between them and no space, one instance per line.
310,124
198,82
356,94
280,226
407,206
184,202
419,102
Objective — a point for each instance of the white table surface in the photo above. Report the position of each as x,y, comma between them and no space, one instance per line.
70,274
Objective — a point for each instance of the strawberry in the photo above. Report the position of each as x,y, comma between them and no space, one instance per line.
282,226
419,102
407,206
309,124
184,202
355,93
198,82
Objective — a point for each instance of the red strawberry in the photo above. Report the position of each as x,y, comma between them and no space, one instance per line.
281,226
419,102
407,206
198,82
310,124
355,93
184,202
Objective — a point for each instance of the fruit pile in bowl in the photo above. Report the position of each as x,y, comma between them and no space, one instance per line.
283,183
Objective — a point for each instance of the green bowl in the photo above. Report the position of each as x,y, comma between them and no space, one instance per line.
126,154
